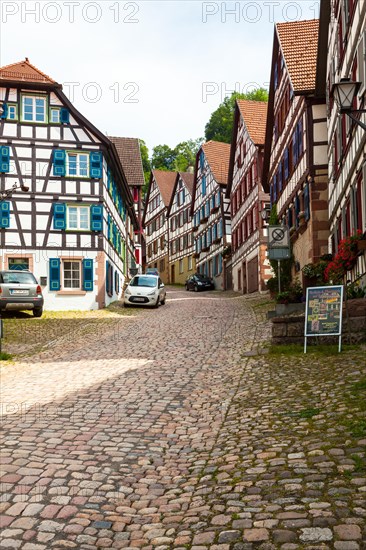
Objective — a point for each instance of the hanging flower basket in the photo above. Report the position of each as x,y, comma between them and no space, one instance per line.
345,259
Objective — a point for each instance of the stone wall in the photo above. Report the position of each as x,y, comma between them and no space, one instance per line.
289,329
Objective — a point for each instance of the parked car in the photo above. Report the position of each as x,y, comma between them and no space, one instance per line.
145,290
152,271
199,282
20,290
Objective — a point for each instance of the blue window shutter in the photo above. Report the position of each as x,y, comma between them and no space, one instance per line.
59,215
96,216
107,277
88,275
4,158
274,186
220,264
294,148
64,116
203,185
279,177
297,210
202,160
55,269
286,164
299,138
307,202
271,194
96,165
59,162
4,114
207,209
4,214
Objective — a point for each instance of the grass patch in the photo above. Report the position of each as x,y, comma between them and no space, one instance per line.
303,413
357,427
5,356
359,386
318,349
360,463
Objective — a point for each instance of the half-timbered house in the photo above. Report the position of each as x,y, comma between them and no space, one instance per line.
249,262
295,162
129,153
181,261
344,25
210,211
74,227
155,222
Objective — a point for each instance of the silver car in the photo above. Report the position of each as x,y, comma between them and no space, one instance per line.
20,290
145,290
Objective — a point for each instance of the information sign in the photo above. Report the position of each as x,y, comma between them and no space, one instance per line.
323,314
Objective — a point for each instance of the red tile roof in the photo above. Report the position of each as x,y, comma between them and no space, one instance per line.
23,71
165,181
254,114
128,150
299,45
188,179
218,158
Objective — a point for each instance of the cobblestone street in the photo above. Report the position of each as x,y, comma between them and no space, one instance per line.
169,429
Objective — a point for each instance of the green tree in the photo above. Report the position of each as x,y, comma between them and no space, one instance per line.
185,154
146,166
220,125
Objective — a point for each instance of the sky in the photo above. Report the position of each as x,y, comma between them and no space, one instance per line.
149,69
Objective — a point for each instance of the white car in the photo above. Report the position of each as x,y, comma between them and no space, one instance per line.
145,290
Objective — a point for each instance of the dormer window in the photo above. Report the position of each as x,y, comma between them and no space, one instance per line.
34,109
55,115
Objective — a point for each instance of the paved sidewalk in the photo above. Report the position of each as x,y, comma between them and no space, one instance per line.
167,430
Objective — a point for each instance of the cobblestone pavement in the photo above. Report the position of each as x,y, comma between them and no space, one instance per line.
170,430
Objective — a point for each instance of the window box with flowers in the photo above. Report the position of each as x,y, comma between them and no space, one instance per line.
345,259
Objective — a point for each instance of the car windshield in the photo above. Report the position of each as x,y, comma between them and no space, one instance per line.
200,276
20,277
144,281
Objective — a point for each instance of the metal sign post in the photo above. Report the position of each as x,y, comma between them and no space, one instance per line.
278,246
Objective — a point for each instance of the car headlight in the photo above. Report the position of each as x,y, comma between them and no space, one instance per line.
199,283
152,293
127,291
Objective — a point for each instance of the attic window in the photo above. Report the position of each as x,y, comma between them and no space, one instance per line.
34,109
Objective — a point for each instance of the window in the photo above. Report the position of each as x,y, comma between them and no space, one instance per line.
18,264
34,109
71,275
78,217
180,266
78,164
55,115
190,263
12,112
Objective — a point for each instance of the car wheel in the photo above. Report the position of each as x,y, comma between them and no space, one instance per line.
195,288
163,301
37,312
187,289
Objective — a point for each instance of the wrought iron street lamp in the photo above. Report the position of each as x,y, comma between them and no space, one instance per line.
7,193
344,92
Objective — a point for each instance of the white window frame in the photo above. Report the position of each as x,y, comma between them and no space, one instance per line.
64,287
78,208
55,110
190,263
15,107
34,98
77,154
181,266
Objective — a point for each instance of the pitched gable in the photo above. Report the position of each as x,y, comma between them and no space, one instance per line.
24,71
254,114
218,158
128,150
299,45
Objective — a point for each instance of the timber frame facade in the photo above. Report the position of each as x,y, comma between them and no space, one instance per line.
295,163
182,264
210,211
343,24
74,229
155,222
249,261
